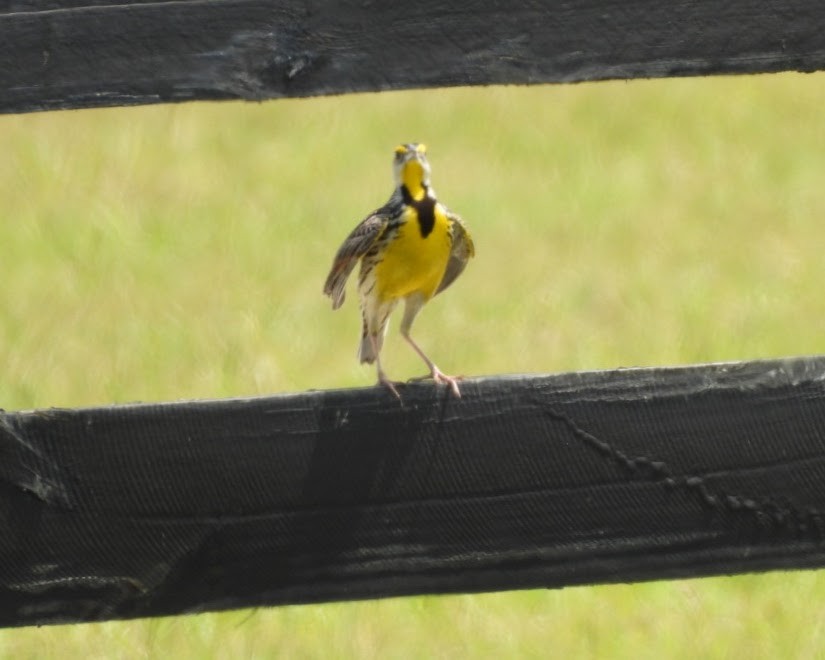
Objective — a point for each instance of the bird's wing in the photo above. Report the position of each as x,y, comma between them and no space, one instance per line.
460,253
352,249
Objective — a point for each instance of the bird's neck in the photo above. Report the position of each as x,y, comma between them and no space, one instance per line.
412,181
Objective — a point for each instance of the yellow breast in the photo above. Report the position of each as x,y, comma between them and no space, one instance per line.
412,263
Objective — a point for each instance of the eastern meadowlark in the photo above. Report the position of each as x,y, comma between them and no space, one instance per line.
410,249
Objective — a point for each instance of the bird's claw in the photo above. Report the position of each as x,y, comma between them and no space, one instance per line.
386,382
439,377
452,381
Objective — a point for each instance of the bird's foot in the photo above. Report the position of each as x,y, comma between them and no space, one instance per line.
439,377
452,381
386,382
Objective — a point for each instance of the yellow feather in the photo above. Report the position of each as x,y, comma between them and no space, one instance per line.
412,177
411,263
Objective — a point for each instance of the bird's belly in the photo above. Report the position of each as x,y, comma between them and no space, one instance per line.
412,263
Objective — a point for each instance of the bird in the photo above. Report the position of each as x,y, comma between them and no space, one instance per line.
410,249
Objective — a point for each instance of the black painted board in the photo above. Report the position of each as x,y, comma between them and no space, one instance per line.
98,53
533,481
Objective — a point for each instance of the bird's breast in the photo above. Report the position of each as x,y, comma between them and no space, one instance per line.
415,257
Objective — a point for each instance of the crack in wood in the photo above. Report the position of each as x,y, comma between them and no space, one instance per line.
767,510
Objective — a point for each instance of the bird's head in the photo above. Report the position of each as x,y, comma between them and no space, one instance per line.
412,170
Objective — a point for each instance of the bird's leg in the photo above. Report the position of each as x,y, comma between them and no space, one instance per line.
382,377
438,375
413,305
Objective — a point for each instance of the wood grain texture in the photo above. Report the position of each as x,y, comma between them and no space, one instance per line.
82,53
540,481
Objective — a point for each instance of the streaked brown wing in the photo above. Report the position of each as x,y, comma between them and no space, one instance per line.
462,251
352,249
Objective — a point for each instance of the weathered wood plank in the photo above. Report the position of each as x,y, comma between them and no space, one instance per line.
538,481
94,52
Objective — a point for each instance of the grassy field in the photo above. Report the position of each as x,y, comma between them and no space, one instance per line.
178,252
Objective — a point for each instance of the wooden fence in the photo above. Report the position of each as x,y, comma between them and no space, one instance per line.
82,53
547,481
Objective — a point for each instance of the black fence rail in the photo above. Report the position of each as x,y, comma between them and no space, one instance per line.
617,476
82,53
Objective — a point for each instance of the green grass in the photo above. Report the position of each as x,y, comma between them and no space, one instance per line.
178,252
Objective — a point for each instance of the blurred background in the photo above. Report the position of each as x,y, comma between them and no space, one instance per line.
178,252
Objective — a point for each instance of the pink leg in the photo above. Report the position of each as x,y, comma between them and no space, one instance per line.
382,377
438,375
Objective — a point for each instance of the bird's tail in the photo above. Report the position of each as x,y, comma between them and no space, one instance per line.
369,348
